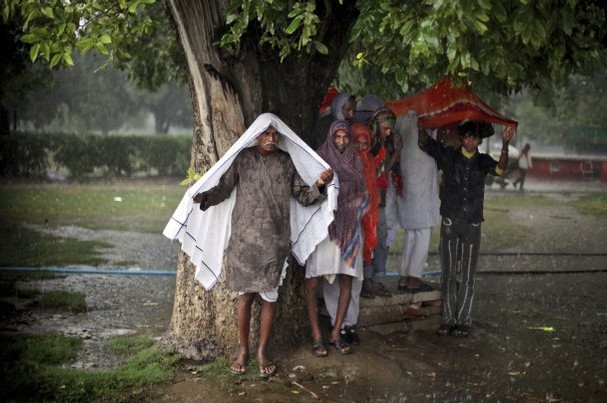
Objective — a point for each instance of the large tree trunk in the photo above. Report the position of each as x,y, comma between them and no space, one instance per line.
228,92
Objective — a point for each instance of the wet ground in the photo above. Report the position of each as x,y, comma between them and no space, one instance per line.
538,337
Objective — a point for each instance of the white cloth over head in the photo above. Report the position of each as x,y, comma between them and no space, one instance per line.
204,235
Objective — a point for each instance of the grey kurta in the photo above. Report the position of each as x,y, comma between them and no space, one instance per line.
259,241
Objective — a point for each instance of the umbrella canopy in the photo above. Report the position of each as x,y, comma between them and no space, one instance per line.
445,105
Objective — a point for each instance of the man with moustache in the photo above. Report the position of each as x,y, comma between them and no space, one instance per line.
262,185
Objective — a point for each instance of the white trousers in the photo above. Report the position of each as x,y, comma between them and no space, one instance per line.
331,295
415,252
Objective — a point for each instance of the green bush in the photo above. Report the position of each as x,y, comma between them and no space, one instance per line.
168,156
33,155
77,154
23,155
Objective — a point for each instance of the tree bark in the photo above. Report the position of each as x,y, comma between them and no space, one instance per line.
5,126
229,90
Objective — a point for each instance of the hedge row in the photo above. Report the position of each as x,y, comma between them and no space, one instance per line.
33,155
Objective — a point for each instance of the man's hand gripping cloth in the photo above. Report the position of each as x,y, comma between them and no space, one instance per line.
204,235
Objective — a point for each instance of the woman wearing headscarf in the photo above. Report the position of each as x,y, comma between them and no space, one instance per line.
385,150
338,256
343,107
361,135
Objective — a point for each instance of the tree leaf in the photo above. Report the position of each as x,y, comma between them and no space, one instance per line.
48,11
55,59
105,39
61,29
34,52
293,25
67,58
29,38
321,48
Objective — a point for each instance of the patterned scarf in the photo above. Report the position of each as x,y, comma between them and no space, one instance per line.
352,200
371,219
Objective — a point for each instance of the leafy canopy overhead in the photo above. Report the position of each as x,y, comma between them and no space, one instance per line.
134,34
500,44
505,44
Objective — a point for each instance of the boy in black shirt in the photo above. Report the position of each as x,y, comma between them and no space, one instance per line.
462,195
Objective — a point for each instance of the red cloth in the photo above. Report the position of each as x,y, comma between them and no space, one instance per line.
443,104
328,99
370,220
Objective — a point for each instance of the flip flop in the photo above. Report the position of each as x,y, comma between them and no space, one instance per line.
267,369
237,368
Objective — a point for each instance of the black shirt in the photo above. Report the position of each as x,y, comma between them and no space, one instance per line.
463,190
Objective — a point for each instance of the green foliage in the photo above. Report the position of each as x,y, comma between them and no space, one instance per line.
502,45
152,55
167,155
298,18
23,156
134,33
72,301
77,24
31,155
32,363
192,177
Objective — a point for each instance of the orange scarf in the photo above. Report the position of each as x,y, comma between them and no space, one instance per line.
371,219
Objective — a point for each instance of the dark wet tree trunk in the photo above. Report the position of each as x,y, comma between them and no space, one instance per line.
229,90
5,124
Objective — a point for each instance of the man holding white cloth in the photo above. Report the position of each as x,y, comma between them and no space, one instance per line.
254,201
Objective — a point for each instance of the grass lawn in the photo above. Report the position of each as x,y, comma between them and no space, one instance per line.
121,207
35,366
138,207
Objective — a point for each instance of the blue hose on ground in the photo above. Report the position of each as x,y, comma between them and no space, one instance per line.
127,272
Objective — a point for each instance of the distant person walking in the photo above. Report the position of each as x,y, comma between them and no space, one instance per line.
524,163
